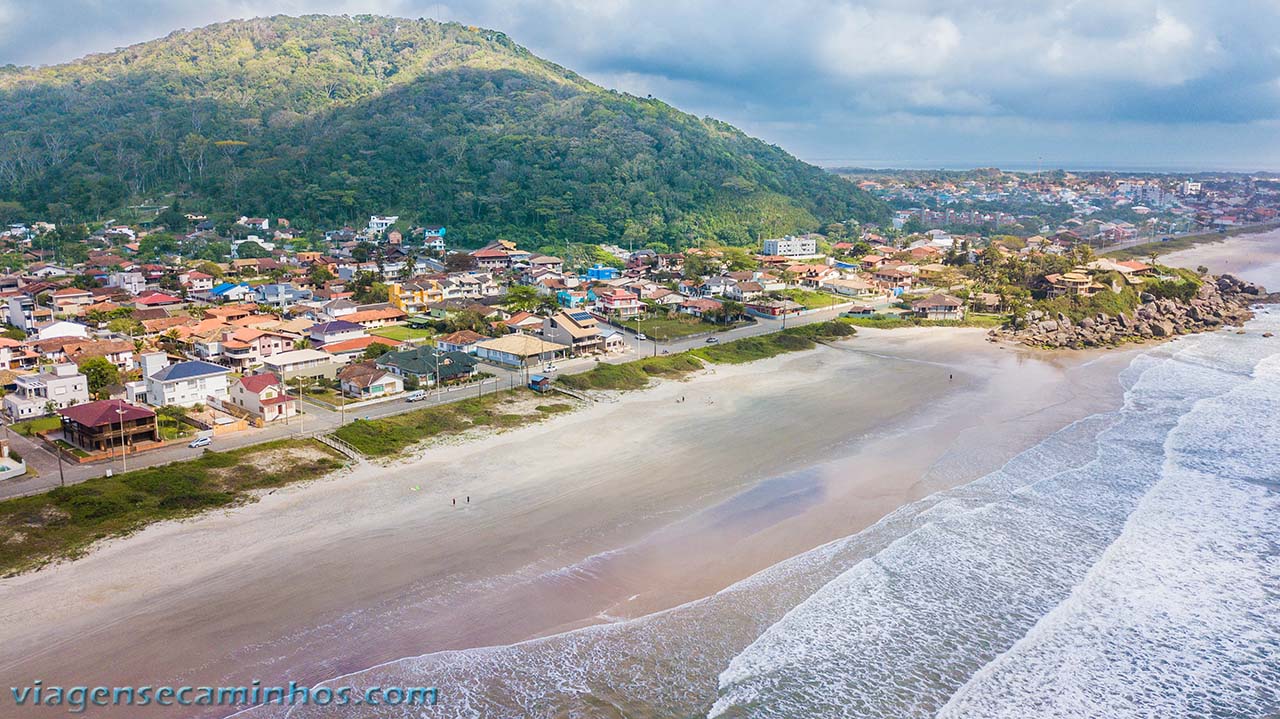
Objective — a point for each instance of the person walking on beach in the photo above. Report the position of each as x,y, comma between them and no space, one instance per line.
455,501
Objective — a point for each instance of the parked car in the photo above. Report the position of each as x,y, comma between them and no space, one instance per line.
712,340
200,442
415,395
641,336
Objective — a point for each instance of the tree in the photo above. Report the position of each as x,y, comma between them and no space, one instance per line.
251,251
319,274
376,350
99,372
522,298
459,262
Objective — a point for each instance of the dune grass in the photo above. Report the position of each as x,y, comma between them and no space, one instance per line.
65,521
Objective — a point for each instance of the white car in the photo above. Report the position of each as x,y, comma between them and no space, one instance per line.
641,336
415,396
200,442
550,368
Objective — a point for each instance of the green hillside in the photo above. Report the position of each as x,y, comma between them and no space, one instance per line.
325,120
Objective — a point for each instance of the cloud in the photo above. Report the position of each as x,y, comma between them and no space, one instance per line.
834,77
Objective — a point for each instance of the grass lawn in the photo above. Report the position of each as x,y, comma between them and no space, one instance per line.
65,521
71,448
30,427
664,328
171,428
402,333
813,300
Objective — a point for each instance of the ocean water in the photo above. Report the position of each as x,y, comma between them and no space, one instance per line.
1126,566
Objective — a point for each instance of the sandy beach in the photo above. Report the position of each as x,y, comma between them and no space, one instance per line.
614,511
1252,257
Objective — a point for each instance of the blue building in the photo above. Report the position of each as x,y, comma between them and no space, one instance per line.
601,273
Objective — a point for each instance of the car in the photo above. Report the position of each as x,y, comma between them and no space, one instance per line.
415,396
641,336
713,340
550,368
200,442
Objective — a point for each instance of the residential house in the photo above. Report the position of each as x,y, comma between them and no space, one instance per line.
519,350
70,300
117,352
61,328
265,396
365,380
523,322
429,365
939,307
183,384
460,341
307,363
280,295
107,424
60,386
618,303
700,306
335,331
577,329
132,282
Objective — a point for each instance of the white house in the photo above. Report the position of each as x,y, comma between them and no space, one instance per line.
379,224
62,328
62,386
132,282
183,384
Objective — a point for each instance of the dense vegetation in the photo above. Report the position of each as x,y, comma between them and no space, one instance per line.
325,120
65,521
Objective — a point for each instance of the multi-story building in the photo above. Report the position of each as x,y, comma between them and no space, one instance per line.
183,384
790,246
35,394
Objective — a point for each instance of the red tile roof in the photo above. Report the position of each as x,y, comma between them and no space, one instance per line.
255,383
104,412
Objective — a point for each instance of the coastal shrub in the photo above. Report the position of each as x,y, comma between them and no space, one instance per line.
632,375
389,435
66,520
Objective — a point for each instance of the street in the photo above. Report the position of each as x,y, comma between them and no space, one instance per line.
43,471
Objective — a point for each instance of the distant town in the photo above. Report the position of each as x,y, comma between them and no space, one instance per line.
182,331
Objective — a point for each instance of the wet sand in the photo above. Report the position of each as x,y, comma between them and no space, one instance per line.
614,511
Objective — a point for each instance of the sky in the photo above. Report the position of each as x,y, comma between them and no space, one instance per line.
1021,84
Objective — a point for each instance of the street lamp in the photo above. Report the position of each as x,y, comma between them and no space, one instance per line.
124,450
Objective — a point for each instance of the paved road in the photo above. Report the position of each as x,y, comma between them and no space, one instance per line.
43,473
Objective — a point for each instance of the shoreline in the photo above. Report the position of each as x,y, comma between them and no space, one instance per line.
547,551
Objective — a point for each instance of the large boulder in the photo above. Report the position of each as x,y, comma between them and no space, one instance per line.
1162,328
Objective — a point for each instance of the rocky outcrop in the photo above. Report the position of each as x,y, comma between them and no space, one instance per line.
1220,301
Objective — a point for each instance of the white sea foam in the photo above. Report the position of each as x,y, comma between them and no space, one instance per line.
977,601
899,634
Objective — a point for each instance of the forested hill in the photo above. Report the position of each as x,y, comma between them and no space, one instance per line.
326,120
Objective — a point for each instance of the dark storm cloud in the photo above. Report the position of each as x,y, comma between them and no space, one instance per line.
907,80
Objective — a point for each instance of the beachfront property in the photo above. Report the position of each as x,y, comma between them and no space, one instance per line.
183,384
577,329
103,425
264,396
519,350
430,364
366,380
939,307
